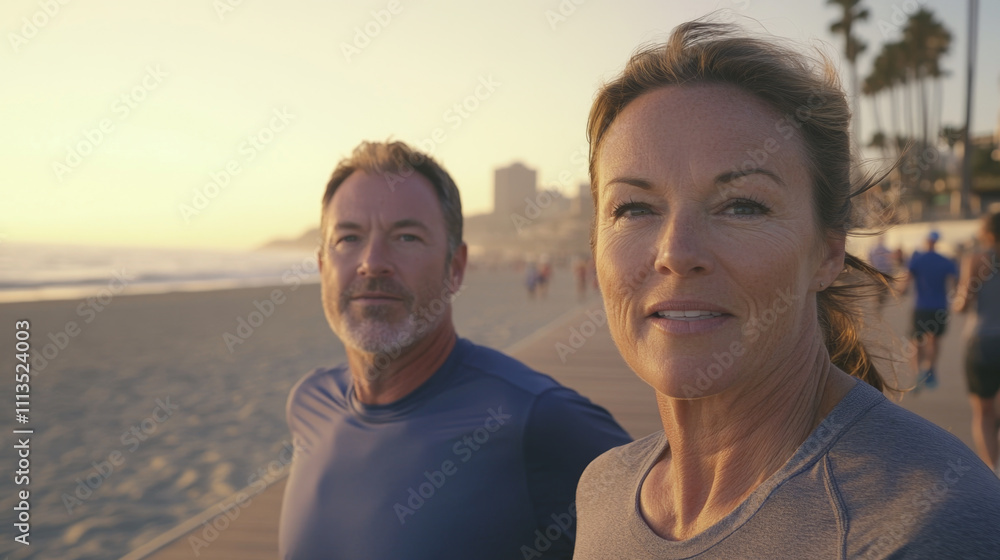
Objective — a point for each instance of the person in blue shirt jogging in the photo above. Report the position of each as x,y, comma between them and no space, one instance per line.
933,276
423,445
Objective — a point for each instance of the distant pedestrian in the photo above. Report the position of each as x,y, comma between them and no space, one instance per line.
544,275
934,276
881,258
531,278
581,269
979,290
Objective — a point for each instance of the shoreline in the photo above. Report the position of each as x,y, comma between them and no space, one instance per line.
130,472
73,293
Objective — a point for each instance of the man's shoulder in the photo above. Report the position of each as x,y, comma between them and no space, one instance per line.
496,366
939,260
331,382
931,260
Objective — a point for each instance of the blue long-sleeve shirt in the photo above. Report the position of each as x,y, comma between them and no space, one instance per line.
479,462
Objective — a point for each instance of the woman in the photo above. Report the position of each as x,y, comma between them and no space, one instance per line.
720,167
979,286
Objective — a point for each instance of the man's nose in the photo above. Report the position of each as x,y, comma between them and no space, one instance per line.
375,259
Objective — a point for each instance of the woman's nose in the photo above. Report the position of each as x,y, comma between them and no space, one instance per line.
682,245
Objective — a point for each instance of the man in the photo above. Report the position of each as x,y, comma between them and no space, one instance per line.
934,275
423,445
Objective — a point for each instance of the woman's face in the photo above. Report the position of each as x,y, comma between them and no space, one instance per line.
707,247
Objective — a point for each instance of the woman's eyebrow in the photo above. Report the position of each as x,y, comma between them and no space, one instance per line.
634,181
731,176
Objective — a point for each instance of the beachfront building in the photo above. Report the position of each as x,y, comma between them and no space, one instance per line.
583,205
513,187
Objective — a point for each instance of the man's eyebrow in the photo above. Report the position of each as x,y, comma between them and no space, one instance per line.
395,225
409,223
731,176
634,181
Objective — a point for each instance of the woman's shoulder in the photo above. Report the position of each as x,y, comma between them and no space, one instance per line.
889,433
894,472
622,465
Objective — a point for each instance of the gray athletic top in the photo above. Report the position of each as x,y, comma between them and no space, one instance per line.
872,481
988,301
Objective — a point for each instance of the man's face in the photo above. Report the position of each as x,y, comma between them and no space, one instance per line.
385,282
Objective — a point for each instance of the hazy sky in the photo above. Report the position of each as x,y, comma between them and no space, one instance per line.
121,117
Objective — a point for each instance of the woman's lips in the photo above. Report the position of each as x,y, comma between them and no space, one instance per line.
688,316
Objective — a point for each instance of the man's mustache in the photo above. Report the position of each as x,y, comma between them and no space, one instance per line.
381,285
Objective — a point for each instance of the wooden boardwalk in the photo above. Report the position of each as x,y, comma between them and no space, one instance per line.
586,361
594,369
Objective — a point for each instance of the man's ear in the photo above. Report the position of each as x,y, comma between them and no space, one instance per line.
319,259
459,259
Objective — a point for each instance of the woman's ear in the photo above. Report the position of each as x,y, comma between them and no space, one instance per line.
833,263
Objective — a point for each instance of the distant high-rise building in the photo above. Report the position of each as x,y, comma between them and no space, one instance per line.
511,186
583,204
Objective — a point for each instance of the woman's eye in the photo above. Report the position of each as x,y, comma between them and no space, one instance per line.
631,210
747,207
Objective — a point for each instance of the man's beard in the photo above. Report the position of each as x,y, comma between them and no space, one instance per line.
374,331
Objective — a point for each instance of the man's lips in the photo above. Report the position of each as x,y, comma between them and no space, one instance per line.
375,297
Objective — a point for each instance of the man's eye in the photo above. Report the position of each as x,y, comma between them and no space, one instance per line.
408,237
348,239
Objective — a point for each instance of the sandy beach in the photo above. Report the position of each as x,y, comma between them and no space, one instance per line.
148,414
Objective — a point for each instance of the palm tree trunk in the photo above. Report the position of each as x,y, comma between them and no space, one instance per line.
908,108
856,102
894,119
938,102
922,80
878,122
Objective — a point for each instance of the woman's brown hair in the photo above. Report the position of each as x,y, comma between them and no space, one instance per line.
810,99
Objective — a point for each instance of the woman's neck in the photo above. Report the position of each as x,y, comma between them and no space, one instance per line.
721,448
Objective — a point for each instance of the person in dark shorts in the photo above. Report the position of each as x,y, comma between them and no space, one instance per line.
932,274
979,290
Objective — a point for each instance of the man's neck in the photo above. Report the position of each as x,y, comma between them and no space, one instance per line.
402,374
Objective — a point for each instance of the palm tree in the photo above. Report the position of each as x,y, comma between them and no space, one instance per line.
873,86
951,135
889,75
851,13
878,141
927,41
